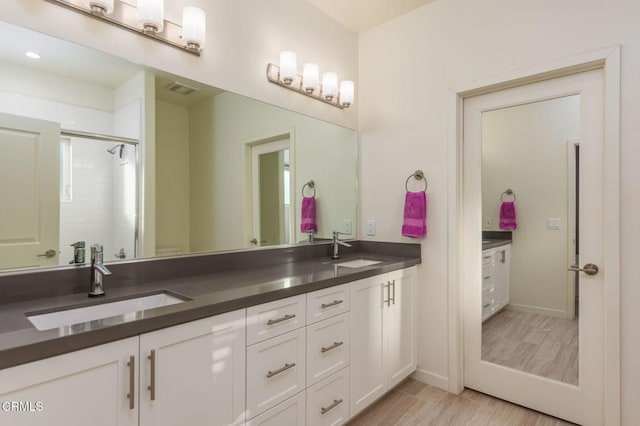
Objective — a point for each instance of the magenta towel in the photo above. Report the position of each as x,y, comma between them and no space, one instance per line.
415,215
508,215
308,219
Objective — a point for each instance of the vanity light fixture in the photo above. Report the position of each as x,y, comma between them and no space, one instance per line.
146,17
286,75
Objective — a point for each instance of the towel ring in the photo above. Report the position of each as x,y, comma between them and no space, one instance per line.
508,192
417,175
311,184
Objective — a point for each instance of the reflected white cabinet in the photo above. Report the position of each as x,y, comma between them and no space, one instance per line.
194,374
87,387
383,335
496,279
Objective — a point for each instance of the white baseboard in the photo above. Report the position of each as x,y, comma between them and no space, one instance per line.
537,310
431,379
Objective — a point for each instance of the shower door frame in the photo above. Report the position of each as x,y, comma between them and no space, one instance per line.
128,141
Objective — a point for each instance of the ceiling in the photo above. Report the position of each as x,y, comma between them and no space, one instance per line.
360,15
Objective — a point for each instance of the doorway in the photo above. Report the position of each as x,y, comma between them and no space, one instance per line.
465,238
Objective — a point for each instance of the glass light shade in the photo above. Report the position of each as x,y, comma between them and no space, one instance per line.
310,77
288,66
193,27
346,93
151,15
105,5
329,85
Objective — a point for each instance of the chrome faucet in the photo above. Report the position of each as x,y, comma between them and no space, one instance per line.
336,242
98,271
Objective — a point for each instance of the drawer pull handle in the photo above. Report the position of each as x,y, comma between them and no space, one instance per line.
487,277
336,402
486,305
486,257
284,318
280,370
132,382
335,345
334,303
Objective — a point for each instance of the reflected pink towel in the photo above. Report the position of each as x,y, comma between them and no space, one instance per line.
415,215
308,219
508,215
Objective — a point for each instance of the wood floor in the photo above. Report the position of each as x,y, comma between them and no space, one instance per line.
414,403
539,344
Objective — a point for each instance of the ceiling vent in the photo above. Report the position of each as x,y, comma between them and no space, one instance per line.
182,88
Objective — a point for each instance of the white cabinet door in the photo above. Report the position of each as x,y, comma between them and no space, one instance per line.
194,373
327,303
400,326
327,347
87,387
275,318
328,401
367,372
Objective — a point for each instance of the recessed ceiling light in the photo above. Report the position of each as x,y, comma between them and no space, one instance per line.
33,55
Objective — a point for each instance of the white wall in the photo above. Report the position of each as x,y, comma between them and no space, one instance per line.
406,69
242,37
525,148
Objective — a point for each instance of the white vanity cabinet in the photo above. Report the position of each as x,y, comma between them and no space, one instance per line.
383,335
496,279
189,374
194,374
87,387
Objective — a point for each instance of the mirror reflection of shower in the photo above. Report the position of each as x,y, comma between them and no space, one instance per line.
98,196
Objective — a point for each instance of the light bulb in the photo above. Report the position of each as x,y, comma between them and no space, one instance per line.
346,93
288,66
193,27
151,15
329,85
310,77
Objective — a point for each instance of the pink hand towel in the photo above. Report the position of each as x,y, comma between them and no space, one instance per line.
308,219
508,215
415,215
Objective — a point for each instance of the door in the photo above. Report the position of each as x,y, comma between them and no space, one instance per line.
531,378
87,387
271,191
194,374
29,190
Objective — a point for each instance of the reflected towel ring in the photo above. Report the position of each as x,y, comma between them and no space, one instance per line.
508,192
417,175
311,184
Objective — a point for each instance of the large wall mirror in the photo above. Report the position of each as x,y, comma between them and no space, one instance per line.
98,150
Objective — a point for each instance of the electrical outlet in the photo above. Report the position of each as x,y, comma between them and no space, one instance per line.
347,227
488,222
371,227
553,224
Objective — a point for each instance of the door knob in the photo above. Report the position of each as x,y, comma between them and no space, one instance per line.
589,269
48,253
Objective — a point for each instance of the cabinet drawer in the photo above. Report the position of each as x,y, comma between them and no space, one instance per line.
487,257
276,370
328,401
327,303
288,413
275,318
327,347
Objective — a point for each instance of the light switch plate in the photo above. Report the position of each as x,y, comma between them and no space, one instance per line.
347,228
371,227
553,224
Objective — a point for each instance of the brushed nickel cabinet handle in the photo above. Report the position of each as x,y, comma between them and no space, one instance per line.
280,370
504,256
388,300
335,403
284,318
48,253
334,303
393,293
132,382
328,348
487,277
152,381
486,305
486,257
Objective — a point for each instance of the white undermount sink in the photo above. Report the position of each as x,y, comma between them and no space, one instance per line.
66,317
358,263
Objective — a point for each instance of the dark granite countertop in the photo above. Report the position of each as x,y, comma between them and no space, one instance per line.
212,293
489,244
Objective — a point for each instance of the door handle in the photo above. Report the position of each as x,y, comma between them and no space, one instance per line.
48,253
589,269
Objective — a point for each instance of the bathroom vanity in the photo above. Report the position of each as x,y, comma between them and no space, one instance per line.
302,340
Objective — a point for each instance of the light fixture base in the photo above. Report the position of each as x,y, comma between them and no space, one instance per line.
273,75
150,29
98,10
